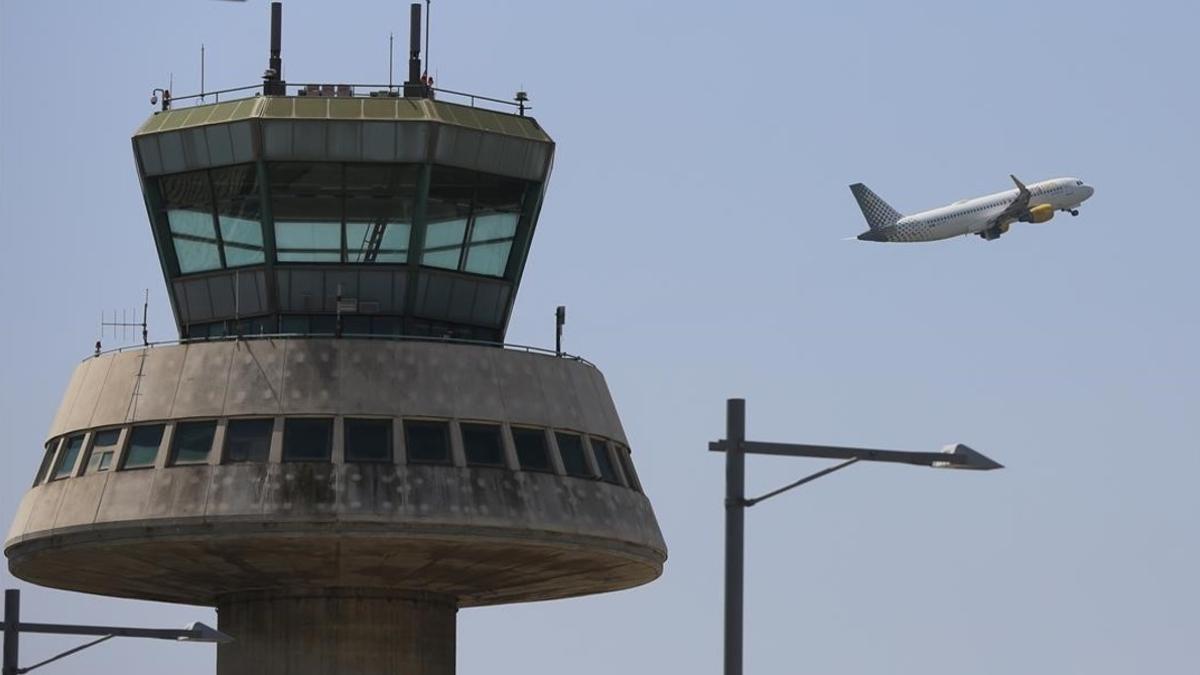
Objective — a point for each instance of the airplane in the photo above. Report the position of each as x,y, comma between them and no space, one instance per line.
988,216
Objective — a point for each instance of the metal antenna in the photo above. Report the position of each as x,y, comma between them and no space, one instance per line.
427,15
201,71
126,323
273,83
391,57
560,319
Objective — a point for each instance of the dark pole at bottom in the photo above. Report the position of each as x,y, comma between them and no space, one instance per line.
12,632
735,514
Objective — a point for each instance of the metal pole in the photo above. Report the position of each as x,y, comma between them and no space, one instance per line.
12,626
735,515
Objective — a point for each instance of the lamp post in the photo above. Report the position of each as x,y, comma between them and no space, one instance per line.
735,446
13,627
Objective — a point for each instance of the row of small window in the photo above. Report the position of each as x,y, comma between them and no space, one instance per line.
310,439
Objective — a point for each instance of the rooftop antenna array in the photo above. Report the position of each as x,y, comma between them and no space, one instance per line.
128,321
418,83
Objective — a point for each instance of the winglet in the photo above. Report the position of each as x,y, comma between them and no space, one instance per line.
1020,186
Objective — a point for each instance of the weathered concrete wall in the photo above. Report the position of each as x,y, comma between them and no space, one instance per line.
339,377
198,533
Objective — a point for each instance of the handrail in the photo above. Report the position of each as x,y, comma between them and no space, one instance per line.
528,349
395,89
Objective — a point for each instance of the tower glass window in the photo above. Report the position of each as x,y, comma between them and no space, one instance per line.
307,439
368,440
187,199
239,215
570,446
608,472
142,447
104,448
631,477
379,212
471,221
68,456
192,442
306,205
330,212
532,453
47,461
427,442
482,444
248,440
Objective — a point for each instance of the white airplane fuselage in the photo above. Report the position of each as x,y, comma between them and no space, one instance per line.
985,215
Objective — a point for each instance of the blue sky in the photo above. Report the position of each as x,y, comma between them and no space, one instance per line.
693,227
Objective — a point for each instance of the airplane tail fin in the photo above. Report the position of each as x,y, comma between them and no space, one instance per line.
877,212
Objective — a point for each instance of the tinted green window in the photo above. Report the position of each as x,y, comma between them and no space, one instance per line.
66,458
248,440
143,445
47,461
368,440
472,221
239,214
570,446
306,203
192,442
379,201
482,444
188,201
608,472
532,453
104,448
195,240
427,442
297,241
307,439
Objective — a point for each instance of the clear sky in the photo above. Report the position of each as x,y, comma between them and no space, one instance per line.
693,227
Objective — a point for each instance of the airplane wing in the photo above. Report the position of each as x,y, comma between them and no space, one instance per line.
1019,206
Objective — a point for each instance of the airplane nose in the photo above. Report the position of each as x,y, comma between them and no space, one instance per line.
1087,191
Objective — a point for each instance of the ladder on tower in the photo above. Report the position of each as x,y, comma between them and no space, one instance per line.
374,241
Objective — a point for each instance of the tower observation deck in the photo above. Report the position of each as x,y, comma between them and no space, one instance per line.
339,452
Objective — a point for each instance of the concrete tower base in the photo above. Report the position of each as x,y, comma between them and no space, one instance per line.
337,632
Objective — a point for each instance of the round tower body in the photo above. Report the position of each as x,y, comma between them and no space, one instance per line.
340,452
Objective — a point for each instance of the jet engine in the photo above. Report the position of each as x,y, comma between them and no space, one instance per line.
1038,214
994,232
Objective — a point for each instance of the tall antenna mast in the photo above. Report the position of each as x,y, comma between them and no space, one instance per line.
273,84
428,14
201,71
391,57
415,87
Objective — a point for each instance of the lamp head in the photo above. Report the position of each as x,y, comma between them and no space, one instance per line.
199,632
967,458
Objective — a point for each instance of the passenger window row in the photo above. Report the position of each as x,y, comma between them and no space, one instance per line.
363,440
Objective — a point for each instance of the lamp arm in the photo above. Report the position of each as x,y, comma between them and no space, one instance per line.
65,654
802,481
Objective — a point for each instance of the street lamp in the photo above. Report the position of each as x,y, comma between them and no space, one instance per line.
13,627
735,446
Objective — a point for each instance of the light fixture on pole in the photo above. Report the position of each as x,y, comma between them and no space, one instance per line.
736,447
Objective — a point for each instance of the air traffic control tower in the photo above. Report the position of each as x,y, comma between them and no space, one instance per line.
339,453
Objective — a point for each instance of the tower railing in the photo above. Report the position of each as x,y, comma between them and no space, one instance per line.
528,349
356,90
